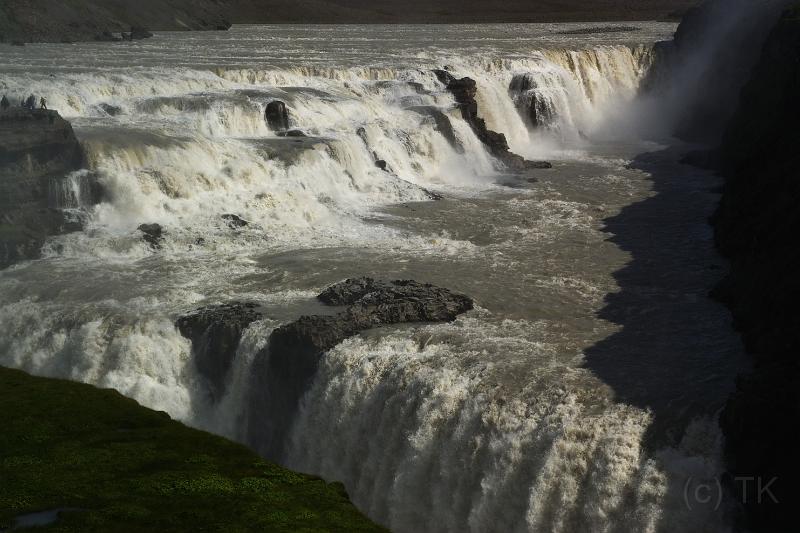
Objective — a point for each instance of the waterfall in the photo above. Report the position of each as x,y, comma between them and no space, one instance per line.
484,424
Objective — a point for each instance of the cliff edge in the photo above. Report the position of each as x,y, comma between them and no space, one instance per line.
757,227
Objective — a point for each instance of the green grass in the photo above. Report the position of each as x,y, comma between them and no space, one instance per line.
127,468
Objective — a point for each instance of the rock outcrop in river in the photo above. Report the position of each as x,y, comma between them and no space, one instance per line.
464,91
285,368
216,332
757,227
38,149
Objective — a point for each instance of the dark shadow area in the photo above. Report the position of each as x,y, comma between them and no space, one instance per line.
676,353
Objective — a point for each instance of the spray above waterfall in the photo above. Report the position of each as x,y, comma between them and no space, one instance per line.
694,85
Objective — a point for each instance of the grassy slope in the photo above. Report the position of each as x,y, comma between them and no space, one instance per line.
68,445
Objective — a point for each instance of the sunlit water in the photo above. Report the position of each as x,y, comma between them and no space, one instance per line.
580,395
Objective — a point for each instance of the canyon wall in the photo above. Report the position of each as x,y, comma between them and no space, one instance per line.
756,228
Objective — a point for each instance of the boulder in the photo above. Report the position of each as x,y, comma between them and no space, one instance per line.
111,110
286,367
277,116
381,164
234,221
215,332
152,234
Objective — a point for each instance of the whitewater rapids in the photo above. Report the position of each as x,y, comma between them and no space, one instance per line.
500,421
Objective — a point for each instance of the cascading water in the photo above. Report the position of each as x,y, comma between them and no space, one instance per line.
491,423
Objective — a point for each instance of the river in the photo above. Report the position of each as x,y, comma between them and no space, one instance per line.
580,395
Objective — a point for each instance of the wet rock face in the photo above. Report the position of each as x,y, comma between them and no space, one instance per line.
152,234
531,105
464,91
38,149
286,367
277,116
215,332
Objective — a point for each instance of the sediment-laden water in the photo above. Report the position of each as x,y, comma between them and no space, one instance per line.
580,394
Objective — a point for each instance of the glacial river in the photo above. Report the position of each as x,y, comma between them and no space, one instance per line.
582,392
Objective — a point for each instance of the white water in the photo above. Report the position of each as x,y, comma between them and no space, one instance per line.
488,424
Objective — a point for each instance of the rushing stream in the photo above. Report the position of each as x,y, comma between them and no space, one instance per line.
580,394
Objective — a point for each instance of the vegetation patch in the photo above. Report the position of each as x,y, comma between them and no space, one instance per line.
112,465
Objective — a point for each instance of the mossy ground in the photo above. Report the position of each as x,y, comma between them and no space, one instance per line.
127,468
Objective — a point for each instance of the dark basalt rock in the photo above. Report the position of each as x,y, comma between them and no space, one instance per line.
435,196
277,116
287,365
234,221
464,91
152,234
529,102
38,149
381,164
215,332
111,110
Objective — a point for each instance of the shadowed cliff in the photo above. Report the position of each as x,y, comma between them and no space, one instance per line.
757,226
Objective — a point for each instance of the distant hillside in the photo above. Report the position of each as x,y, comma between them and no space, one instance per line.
452,11
86,20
